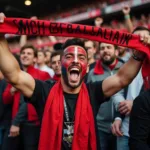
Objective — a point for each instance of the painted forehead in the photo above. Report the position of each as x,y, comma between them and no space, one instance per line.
75,49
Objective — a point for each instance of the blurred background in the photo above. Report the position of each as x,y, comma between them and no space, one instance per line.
74,11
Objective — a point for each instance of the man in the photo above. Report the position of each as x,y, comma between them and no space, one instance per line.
139,125
40,63
56,64
120,127
90,46
124,54
48,56
70,110
5,117
25,119
109,64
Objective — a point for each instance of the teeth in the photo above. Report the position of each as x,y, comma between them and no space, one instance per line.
74,69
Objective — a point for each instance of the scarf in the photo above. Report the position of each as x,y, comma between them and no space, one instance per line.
20,26
56,77
52,124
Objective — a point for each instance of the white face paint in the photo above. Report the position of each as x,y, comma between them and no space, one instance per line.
76,54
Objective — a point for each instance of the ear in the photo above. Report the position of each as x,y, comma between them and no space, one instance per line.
35,59
87,70
116,52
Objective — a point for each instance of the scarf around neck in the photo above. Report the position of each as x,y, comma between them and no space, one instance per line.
84,137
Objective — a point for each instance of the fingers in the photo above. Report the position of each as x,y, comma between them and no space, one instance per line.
2,16
116,129
13,134
124,110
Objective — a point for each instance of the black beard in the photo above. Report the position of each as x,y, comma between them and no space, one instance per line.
108,62
65,78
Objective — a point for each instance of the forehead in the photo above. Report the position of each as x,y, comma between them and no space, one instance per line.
28,50
106,44
144,32
88,43
56,58
74,50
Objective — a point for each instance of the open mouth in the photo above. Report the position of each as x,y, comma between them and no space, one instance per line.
74,74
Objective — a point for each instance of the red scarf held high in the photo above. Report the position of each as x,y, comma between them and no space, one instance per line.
20,26
52,124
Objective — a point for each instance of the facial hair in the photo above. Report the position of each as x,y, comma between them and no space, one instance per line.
65,78
108,62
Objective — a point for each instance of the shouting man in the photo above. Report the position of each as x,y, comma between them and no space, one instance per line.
68,108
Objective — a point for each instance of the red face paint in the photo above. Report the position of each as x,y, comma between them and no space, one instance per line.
75,57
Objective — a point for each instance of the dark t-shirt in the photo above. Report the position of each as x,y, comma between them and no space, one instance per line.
41,93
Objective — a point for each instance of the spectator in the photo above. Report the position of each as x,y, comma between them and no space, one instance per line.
41,65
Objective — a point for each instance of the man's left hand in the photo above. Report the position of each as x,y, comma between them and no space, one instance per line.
125,107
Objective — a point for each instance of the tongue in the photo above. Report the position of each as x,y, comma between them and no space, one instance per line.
74,76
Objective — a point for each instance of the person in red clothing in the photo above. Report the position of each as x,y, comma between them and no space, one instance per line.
24,117
56,64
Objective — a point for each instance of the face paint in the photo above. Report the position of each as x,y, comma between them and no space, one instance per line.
74,59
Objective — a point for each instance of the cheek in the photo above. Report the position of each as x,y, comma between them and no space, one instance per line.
84,68
65,63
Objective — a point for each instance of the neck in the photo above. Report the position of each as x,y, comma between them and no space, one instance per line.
113,63
68,89
90,61
40,65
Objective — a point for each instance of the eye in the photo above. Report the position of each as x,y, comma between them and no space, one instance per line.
68,56
82,58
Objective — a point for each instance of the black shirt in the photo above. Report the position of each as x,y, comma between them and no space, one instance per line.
139,127
41,93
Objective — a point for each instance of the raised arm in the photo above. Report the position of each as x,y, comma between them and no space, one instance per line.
11,70
126,73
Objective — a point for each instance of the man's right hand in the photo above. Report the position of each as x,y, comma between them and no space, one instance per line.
126,10
14,131
116,128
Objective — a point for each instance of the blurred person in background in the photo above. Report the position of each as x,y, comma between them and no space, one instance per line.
48,57
120,127
41,65
90,47
123,53
56,64
107,66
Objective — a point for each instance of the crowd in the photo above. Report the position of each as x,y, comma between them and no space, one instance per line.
74,94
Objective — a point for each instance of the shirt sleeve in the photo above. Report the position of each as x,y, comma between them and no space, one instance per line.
40,95
139,128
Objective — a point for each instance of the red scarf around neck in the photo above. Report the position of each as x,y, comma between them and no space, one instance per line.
52,124
56,77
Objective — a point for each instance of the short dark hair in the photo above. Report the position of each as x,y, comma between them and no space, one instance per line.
55,53
139,28
73,41
31,47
